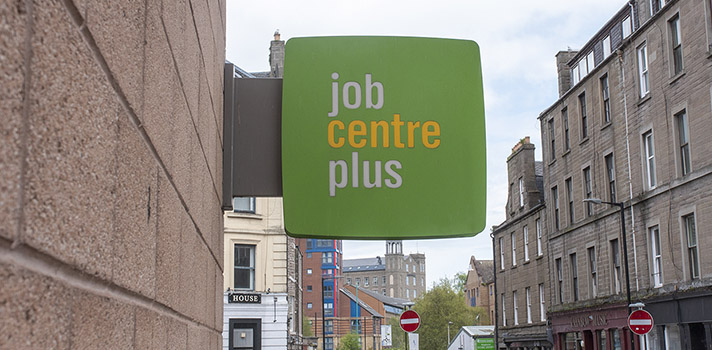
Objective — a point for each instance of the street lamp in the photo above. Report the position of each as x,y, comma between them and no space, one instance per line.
621,206
448,332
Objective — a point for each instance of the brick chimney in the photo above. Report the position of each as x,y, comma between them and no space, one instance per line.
521,166
276,56
563,69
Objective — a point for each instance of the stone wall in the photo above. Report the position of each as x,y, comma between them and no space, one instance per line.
110,174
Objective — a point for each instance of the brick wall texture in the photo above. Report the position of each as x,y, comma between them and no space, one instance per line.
110,174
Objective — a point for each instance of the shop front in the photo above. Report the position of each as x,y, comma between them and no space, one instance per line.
595,328
682,320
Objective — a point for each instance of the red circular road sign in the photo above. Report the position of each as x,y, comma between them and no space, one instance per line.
640,322
410,321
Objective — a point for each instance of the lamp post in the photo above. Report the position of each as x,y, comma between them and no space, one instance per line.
448,332
621,206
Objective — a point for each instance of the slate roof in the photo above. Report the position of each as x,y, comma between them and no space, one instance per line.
397,302
360,302
366,264
484,269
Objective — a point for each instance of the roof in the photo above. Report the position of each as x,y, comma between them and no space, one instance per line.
261,74
485,270
479,331
360,302
397,302
366,264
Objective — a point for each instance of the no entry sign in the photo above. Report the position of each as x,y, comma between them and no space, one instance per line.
410,321
640,322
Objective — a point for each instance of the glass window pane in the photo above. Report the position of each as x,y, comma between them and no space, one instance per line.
242,279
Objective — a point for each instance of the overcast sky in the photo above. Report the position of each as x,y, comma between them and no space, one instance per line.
518,40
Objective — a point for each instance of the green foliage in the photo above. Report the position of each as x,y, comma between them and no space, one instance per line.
460,280
349,342
397,333
443,304
307,326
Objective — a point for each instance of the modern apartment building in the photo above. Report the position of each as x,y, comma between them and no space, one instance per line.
322,280
395,275
630,127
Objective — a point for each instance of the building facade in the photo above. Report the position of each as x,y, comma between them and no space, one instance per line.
262,302
479,288
521,264
322,279
395,275
110,188
630,127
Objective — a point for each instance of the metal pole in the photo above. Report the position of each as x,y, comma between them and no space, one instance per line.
627,268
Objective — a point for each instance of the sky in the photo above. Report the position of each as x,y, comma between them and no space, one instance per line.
518,40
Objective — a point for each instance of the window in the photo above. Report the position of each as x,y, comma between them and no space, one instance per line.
592,268
539,252
356,326
328,309
309,255
521,192
504,311
590,62
309,271
676,41
570,199
244,274
358,281
584,119
526,243
587,190
542,308
310,306
375,281
529,305
627,27
365,281
655,5
391,279
516,308
407,267
643,70
555,199
616,266
611,173
656,256
606,46
559,280
683,141
574,276
422,282
606,99
328,291
552,137
243,204
514,249
407,281
310,245
329,343
309,288
649,159
407,293
501,253
327,258
415,293
384,280
688,222
348,281
565,123
329,326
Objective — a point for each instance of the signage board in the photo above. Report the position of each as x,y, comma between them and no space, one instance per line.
383,138
640,322
410,321
241,298
386,335
484,344
413,341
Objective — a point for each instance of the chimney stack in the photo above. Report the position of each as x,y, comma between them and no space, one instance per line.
563,70
276,56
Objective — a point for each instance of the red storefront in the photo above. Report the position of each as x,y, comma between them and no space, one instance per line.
594,328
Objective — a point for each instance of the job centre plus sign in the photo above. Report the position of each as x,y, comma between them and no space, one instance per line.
383,137
393,133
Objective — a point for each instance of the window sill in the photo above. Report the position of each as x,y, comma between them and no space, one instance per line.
514,266
539,257
677,77
644,99
244,215
566,153
551,162
606,126
583,141
526,262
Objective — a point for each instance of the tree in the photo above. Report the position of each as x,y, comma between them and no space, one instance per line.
437,307
460,281
307,326
349,342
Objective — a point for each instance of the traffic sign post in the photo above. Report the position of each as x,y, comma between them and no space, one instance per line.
640,322
410,321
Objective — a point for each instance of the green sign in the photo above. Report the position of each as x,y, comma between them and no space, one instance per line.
383,138
484,344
